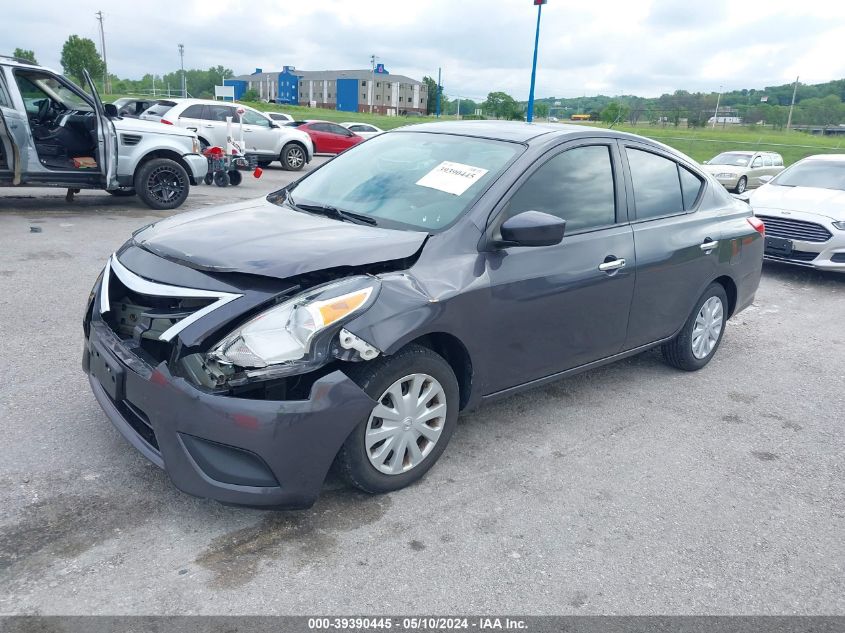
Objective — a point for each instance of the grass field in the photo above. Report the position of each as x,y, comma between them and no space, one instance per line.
699,143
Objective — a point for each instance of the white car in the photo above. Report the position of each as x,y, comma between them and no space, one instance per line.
803,209
262,136
364,130
158,110
280,116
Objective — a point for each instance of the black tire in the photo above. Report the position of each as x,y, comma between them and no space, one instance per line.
741,185
209,178
293,157
123,192
264,163
374,377
679,351
235,178
221,179
162,183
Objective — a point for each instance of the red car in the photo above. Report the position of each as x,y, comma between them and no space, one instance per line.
328,138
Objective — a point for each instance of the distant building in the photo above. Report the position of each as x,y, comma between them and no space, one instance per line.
346,90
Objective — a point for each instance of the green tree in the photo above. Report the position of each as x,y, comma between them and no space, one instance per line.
78,54
614,113
431,88
22,53
501,105
250,95
541,109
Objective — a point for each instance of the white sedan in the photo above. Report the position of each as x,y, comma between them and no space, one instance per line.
803,209
364,130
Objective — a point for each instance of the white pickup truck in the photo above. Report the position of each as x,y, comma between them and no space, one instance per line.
55,134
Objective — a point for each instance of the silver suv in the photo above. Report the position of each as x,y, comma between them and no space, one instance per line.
55,134
261,135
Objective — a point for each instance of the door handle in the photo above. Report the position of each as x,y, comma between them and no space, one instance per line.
709,245
614,264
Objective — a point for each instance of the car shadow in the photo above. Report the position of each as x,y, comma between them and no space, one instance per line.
791,273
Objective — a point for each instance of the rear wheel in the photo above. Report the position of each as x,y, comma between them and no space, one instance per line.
221,179
162,183
235,178
293,157
699,339
741,185
416,413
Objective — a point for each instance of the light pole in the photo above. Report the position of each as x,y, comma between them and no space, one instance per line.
539,4
716,114
373,82
182,66
437,104
106,87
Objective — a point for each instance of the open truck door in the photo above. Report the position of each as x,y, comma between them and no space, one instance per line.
106,138
10,155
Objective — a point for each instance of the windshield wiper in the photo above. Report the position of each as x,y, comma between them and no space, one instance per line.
333,212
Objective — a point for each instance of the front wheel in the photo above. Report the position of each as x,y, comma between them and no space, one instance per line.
221,179
416,413
235,178
293,157
697,342
741,185
162,183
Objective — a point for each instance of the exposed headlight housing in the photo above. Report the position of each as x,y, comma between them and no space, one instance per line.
294,336
839,225
195,145
725,175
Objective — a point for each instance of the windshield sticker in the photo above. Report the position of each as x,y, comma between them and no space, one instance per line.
454,178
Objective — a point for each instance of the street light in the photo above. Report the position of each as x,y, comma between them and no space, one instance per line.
539,4
716,114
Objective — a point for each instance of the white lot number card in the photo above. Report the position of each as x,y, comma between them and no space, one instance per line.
454,178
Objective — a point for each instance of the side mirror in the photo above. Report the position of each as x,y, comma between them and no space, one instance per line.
765,179
110,109
532,228
274,126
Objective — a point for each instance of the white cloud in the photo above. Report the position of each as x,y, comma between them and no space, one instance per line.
614,47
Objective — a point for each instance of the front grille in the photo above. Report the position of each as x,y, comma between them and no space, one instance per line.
794,256
795,229
143,318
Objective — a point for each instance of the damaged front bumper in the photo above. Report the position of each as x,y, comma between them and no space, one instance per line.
235,450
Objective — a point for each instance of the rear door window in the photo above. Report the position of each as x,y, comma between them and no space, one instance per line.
219,113
161,108
657,187
193,112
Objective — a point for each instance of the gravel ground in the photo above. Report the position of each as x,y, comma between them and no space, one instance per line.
631,489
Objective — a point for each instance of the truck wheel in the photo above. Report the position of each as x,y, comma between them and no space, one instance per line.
221,179
293,157
235,178
162,183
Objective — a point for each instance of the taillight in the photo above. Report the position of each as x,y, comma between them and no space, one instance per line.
758,225
166,122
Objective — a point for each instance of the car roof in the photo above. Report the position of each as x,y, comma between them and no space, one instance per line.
832,158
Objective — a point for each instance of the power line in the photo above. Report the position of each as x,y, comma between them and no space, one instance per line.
106,86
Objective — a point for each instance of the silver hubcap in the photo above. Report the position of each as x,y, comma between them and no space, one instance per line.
405,424
295,157
708,326
741,186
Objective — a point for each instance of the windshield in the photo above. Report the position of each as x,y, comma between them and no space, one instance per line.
823,174
35,87
160,108
730,158
407,179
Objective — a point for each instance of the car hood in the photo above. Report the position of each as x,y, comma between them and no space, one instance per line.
140,125
723,169
827,202
262,238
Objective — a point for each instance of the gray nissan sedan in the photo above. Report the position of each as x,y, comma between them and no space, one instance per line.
350,317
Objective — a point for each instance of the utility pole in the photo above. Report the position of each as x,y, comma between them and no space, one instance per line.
106,87
792,105
154,84
458,111
182,66
530,117
716,114
373,82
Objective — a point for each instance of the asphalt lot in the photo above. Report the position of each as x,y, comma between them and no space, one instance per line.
632,489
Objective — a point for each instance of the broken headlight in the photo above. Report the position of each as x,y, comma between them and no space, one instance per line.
294,336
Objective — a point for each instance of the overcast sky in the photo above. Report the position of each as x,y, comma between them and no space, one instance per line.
586,46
